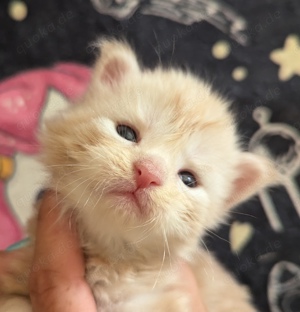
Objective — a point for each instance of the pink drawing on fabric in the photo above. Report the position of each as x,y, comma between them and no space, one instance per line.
22,98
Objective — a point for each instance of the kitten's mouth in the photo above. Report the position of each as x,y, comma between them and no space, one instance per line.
132,199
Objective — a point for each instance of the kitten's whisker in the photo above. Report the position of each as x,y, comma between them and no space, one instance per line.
203,242
84,193
173,50
67,165
106,184
100,195
168,248
74,181
70,218
210,261
223,239
162,263
225,223
143,225
157,50
147,231
244,214
65,175
86,179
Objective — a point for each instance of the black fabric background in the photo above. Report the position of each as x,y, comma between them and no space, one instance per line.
60,30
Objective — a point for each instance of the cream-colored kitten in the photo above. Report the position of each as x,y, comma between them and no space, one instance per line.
148,160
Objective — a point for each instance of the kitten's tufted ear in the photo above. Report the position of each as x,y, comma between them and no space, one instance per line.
253,173
117,61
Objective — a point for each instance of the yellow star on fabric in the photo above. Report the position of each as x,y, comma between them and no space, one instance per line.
288,58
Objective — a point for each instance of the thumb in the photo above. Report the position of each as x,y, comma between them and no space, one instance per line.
57,280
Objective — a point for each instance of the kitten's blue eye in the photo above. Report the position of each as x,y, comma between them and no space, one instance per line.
127,133
188,178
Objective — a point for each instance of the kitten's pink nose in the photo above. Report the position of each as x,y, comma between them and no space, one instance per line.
148,173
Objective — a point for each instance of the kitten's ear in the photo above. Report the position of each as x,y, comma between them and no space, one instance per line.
253,173
117,61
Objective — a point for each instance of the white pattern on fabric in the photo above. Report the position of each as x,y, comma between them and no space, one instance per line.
187,12
288,164
284,287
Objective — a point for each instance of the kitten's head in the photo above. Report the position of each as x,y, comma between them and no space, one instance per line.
149,154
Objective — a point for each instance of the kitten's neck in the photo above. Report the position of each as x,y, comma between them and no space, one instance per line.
116,250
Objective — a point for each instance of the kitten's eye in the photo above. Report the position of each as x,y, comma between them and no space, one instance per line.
127,133
188,178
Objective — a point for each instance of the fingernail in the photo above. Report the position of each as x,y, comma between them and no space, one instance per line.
19,244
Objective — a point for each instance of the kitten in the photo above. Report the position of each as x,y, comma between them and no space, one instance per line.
148,160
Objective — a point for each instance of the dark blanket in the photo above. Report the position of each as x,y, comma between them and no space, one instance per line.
250,51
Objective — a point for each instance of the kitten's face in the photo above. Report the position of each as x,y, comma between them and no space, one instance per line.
146,154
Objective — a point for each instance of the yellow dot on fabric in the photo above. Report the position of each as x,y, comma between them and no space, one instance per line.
17,10
221,49
240,234
6,167
240,73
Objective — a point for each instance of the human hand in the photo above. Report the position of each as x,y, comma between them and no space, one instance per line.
57,281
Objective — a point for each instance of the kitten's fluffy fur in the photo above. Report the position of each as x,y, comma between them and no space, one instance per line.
133,252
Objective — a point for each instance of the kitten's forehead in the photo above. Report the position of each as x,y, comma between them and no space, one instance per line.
180,104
